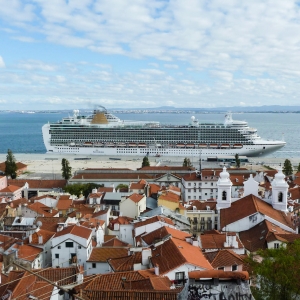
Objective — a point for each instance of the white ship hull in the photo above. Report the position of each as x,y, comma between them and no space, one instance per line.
104,134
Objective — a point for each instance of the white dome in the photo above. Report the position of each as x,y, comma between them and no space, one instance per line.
224,175
279,177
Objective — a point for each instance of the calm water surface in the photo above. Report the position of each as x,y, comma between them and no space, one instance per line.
22,132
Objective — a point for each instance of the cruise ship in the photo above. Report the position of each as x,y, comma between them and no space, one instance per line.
102,133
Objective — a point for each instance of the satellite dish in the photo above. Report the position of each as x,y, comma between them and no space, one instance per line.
39,224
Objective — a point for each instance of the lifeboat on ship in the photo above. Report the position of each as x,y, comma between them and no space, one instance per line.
88,144
237,146
190,145
132,144
202,145
142,145
121,145
98,144
180,145
213,146
225,146
111,145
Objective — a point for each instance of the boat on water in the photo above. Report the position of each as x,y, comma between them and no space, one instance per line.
102,133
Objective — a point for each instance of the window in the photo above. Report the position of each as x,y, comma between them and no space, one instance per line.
212,184
94,265
224,195
179,275
280,196
276,245
56,255
234,268
221,268
69,245
79,247
58,247
179,278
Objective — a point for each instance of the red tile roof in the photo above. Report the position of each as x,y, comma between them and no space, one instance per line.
105,189
257,237
174,253
114,281
225,258
125,263
10,189
50,223
45,234
20,166
39,183
136,198
249,205
115,242
120,220
42,209
17,202
28,252
169,196
202,205
207,274
63,204
137,186
216,241
75,230
153,220
158,234
102,254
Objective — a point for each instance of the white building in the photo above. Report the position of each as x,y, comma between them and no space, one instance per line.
71,245
132,206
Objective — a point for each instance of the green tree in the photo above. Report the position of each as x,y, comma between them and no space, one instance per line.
237,161
66,169
121,186
187,162
10,165
81,188
145,162
275,276
298,169
287,168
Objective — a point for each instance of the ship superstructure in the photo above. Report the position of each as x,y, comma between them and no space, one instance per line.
103,133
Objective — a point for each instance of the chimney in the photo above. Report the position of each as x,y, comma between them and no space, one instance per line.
231,241
30,238
146,253
156,270
40,239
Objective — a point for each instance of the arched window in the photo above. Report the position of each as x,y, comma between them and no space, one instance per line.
224,195
280,197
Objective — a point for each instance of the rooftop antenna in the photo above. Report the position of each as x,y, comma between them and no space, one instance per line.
200,162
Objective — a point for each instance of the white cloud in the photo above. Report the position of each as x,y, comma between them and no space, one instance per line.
2,64
36,65
171,66
153,71
25,39
237,49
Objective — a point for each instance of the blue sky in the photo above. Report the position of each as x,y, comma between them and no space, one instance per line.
67,54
